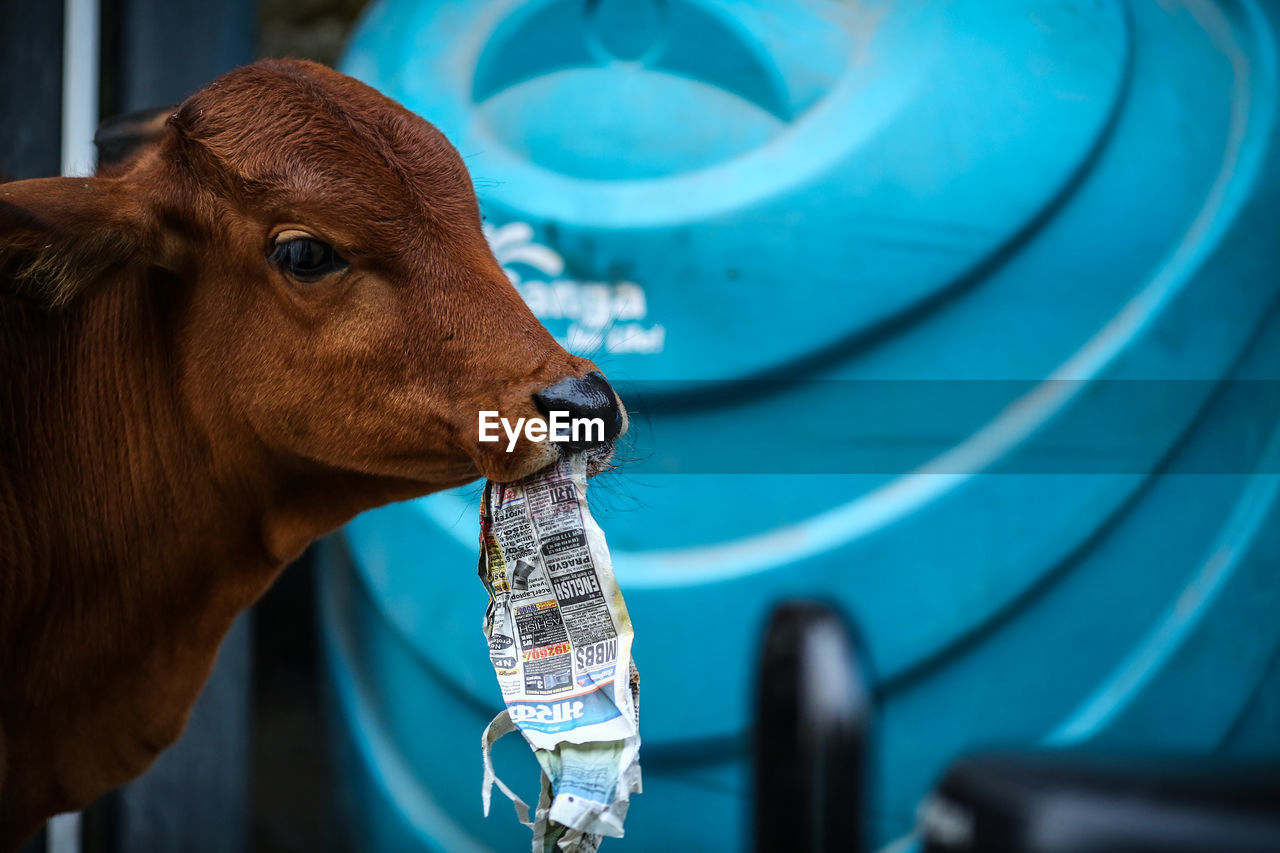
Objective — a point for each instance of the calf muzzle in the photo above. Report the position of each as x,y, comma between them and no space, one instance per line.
586,397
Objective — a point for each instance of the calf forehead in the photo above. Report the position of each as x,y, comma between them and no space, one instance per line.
297,134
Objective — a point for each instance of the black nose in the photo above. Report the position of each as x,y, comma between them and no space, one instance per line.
587,397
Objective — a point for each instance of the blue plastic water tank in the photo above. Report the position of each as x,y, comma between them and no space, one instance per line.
962,315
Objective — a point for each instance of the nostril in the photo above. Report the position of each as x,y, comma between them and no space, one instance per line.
587,397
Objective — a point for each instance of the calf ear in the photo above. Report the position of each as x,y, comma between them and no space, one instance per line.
120,138
58,236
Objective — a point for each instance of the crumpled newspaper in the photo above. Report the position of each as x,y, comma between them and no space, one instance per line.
560,643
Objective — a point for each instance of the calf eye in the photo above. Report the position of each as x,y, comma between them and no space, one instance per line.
306,258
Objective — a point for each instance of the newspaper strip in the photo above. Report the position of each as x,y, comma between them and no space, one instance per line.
560,643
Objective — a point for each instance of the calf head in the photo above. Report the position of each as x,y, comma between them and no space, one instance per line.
317,256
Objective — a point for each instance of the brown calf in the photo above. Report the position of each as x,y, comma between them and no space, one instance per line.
281,313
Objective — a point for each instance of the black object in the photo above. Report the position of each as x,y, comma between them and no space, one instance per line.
30,89
814,714
1070,802
158,52
588,397
120,137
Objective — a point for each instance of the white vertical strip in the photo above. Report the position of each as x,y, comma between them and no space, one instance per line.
79,85
62,833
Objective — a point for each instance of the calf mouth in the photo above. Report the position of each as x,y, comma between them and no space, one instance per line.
512,449
599,458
